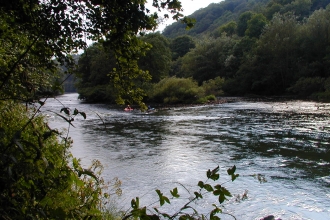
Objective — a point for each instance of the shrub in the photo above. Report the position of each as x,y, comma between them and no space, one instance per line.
37,178
214,86
176,90
307,86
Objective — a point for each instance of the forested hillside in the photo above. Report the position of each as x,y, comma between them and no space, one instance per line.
237,47
210,18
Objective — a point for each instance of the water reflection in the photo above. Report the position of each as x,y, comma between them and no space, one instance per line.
287,143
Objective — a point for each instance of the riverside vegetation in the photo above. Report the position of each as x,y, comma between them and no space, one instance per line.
236,48
269,48
40,179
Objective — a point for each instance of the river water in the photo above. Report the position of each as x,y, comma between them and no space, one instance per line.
281,150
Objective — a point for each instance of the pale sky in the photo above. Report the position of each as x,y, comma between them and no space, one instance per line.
189,7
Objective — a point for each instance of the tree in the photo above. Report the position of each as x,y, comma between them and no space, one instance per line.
39,178
34,33
181,45
158,58
208,59
94,67
229,28
255,25
242,23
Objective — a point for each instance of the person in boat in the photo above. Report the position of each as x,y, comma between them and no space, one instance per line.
128,108
150,109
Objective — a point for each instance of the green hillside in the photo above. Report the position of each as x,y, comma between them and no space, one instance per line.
210,18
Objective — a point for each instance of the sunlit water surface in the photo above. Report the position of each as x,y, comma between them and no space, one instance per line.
284,143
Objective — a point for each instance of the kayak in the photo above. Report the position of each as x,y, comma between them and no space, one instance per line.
128,109
151,110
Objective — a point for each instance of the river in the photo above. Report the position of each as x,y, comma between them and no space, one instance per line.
281,150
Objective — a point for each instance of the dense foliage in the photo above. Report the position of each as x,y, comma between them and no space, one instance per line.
176,90
256,47
39,177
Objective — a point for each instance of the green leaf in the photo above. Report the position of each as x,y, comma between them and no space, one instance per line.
198,195
232,170
135,203
65,110
217,192
201,184
225,191
161,201
208,187
217,186
174,192
208,173
222,198
83,114
234,176
214,212
213,174
166,199
215,177
160,194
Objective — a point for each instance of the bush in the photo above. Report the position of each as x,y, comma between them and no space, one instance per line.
176,90
214,86
307,86
37,178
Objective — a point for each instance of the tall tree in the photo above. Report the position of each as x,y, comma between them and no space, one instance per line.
255,25
158,59
242,23
181,45
94,66
36,32
209,59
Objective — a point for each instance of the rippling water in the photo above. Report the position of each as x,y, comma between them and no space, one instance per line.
281,151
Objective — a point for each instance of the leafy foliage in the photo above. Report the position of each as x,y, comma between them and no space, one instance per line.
210,18
37,180
188,211
176,90
181,45
94,66
208,60
158,58
37,38
214,86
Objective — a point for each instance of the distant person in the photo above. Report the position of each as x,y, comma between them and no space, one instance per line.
150,109
128,108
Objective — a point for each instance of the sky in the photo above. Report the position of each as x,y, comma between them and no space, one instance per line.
189,7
